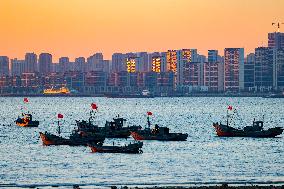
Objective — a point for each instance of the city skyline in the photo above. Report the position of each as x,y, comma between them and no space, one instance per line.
77,28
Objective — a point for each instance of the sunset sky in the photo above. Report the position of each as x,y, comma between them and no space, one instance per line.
82,27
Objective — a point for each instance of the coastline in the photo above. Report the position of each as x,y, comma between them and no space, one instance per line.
170,96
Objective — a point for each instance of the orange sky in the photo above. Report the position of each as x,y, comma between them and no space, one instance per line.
82,27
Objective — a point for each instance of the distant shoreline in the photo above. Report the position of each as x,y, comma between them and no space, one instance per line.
129,96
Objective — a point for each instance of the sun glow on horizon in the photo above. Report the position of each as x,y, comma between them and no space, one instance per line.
81,28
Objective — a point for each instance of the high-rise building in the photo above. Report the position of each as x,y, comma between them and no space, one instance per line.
276,40
233,69
213,72
172,61
64,64
4,66
118,62
151,55
164,62
79,64
212,56
156,64
249,72
31,62
264,68
184,58
17,67
131,64
45,61
94,62
143,65
278,75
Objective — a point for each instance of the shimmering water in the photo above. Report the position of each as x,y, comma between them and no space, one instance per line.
202,158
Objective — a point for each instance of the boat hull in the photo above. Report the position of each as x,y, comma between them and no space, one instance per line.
28,124
169,137
129,149
225,131
74,140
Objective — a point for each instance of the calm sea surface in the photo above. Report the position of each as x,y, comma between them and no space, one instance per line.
203,158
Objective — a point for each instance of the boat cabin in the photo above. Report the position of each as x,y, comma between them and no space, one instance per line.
256,126
160,130
117,123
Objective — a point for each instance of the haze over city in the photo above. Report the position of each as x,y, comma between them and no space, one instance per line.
80,28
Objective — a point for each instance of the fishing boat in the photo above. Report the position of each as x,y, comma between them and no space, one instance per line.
157,133
112,129
132,148
255,130
76,138
26,121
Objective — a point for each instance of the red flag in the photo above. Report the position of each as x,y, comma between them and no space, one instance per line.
230,107
149,113
26,100
94,106
60,116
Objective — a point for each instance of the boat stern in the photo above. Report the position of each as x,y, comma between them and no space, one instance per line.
136,135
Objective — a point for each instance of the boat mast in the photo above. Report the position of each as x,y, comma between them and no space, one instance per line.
227,117
58,129
148,121
92,116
